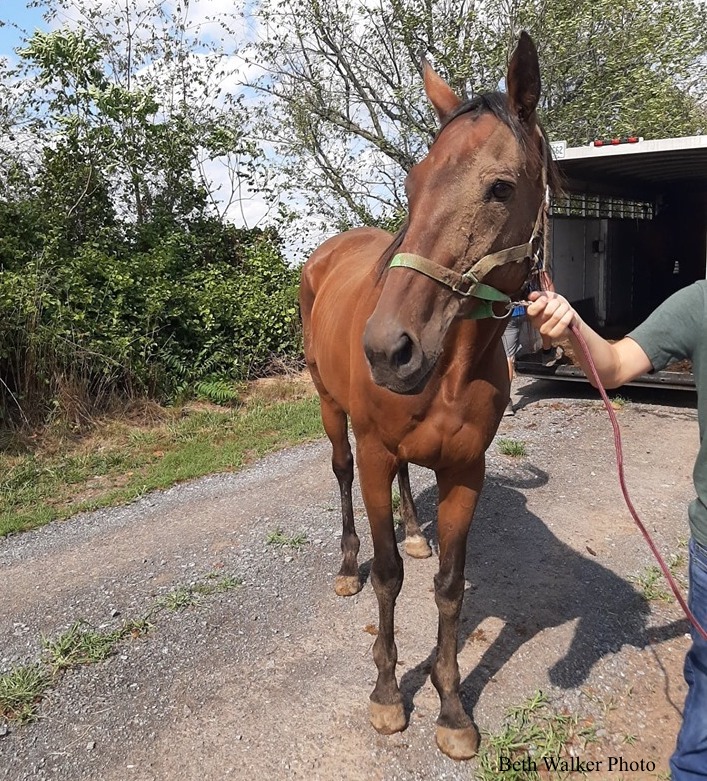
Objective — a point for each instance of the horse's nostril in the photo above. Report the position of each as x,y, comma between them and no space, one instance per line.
402,352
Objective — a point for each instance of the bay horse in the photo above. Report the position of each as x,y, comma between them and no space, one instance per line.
402,335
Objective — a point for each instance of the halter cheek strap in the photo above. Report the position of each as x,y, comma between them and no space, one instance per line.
466,285
469,284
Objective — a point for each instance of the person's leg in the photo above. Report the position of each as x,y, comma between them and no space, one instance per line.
511,345
689,762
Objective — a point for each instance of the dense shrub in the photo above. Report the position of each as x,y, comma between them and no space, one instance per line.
116,278
158,311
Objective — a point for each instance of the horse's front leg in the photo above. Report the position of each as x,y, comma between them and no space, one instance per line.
376,469
459,491
416,545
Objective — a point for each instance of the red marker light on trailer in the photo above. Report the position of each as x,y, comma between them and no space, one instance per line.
615,141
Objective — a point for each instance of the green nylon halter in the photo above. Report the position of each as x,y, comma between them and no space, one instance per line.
466,285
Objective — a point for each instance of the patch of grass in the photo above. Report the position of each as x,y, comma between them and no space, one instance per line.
281,540
651,583
533,730
136,627
512,447
397,501
188,596
677,562
619,402
80,644
21,690
122,460
83,644
178,599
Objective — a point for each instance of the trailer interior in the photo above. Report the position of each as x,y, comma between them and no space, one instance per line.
629,230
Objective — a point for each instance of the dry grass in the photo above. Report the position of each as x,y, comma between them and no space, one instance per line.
51,474
292,386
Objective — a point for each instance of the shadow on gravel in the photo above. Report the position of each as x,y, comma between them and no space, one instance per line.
523,574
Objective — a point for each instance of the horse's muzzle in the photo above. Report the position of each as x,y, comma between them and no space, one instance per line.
395,357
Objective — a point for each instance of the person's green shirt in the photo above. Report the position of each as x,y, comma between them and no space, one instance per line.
678,330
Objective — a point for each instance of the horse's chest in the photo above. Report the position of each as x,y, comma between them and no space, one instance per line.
444,441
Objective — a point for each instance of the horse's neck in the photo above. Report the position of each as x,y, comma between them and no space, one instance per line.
470,343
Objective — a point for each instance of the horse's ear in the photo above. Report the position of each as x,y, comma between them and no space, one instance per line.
523,80
440,94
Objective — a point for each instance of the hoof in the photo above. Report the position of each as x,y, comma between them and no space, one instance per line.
387,719
458,743
417,547
347,585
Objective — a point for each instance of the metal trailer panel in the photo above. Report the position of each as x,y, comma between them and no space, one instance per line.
617,270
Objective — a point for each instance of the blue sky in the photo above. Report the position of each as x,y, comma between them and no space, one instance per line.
16,12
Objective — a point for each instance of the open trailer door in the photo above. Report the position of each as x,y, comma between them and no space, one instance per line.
630,230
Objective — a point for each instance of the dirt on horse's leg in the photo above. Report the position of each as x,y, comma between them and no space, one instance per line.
456,734
347,581
416,545
376,469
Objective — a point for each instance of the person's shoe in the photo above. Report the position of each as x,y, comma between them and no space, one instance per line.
509,410
551,356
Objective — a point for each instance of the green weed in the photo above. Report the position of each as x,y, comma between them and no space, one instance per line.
512,447
281,540
396,503
650,583
20,692
532,730
619,402
188,596
80,644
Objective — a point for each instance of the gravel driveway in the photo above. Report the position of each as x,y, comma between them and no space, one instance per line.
270,680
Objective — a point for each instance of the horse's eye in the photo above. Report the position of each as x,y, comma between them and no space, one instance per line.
501,191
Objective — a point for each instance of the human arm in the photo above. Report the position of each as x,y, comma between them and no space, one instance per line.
616,363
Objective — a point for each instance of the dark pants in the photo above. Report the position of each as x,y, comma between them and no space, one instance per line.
689,762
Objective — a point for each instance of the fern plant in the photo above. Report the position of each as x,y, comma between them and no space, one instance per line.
217,391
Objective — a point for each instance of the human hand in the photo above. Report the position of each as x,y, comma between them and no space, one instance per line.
551,314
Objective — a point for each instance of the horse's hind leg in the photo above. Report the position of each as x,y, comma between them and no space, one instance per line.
415,544
347,581
456,735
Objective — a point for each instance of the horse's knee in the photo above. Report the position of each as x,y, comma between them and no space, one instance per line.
342,463
449,591
387,574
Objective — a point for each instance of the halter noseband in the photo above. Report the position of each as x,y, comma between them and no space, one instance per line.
469,284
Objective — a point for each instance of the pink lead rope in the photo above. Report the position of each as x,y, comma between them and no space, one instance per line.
622,480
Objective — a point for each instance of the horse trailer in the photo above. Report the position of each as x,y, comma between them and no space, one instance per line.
629,230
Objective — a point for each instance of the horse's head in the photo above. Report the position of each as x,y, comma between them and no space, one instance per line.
478,193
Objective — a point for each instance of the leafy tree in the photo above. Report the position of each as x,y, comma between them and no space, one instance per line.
342,95
140,91
615,69
118,273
